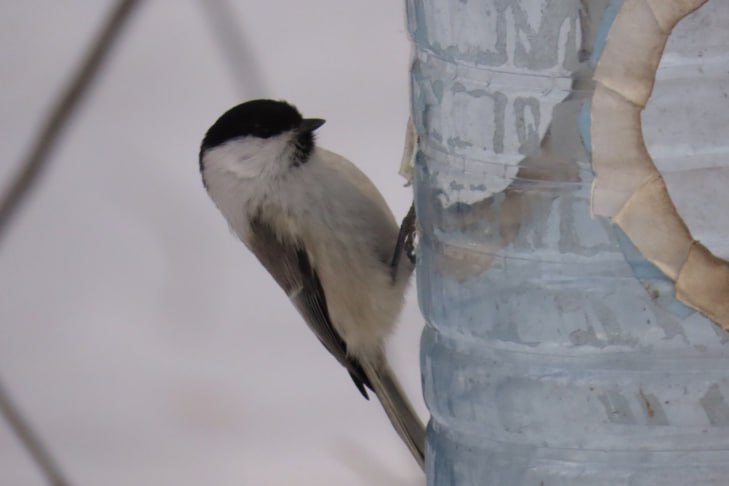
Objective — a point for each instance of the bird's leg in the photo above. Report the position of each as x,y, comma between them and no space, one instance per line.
405,241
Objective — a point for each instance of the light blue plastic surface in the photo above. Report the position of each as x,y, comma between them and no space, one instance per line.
554,354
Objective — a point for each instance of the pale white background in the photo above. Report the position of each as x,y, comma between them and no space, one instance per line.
143,341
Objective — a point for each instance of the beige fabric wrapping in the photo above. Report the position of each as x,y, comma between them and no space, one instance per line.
628,188
620,159
650,219
703,284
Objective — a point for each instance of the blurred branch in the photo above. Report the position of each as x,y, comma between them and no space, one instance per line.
46,139
23,183
241,58
30,440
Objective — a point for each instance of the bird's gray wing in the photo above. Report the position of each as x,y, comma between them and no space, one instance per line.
289,264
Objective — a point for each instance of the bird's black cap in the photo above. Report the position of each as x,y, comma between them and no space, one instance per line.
257,118
263,119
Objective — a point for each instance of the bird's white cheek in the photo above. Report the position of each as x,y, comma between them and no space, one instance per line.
250,158
235,166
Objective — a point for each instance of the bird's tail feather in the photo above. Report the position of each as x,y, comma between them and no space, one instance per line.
397,407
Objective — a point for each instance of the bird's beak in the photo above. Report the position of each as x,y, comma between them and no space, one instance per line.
308,125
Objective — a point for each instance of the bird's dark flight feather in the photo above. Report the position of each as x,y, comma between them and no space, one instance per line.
289,264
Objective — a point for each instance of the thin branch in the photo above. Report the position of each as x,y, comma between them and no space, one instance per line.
30,440
23,183
241,59
49,134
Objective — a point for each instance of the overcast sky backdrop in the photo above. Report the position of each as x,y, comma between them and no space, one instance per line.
145,343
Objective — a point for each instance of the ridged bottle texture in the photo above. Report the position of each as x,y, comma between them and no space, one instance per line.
553,353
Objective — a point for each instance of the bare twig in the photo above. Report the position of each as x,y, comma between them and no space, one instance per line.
24,181
49,134
30,440
241,59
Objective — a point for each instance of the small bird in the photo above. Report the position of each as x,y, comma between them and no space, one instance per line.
324,233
